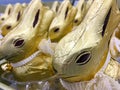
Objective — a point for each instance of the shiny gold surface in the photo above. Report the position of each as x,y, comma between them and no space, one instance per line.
12,21
88,37
63,21
24,40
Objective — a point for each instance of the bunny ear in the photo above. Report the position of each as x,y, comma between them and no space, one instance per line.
112,19
8,9
17,11
71,14
55,6
80,4
36,18
65,5
66,12
33,13
18,16
106,22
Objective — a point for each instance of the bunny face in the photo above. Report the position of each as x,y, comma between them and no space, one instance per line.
12,21
63,22
81,53
23,40
7,13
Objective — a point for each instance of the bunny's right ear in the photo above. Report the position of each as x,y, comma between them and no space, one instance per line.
34,12
82,8
55,6
45,23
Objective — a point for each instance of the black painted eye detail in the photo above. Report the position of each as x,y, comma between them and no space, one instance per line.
76,21
2,19
83,58
18,42
56,30
8,27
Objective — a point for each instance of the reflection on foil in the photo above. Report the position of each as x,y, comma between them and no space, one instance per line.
51,84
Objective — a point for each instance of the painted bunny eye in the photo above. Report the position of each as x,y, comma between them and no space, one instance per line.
8,27
83,58
2,19
56,30
76,21
19,42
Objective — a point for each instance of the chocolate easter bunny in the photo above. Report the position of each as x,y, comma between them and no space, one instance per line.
83,52
63,22
6,14
13,20
82,8
20,47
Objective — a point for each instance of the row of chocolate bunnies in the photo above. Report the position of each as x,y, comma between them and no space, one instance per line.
78,44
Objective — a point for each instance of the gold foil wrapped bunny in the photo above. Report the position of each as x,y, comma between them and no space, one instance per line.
63,22
21,46
82,53
6,14
13,20
82,8
55,6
